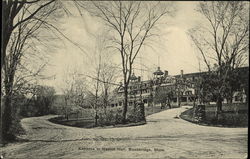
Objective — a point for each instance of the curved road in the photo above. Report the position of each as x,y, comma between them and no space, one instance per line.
164,136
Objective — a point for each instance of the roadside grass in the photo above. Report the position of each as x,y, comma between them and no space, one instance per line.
85,118
86,123
235,115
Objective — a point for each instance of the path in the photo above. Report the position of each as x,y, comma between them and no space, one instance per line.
163,136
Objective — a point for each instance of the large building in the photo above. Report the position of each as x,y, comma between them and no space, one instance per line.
182,89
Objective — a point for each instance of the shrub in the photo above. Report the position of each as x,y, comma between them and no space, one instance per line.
136,114
107,118
118,116
114,116
199,113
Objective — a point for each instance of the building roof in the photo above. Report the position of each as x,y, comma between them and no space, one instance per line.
240,69
158,72
133,77
191,74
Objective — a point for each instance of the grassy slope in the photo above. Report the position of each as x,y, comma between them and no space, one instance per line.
227,118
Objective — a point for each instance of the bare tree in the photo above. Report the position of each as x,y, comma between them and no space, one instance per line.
109,73
20,24
97,87
74,92
25,33
11,21
96,73
132,24
67,94
224,41
101,74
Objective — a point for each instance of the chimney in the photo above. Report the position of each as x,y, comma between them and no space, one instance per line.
166,73
181,73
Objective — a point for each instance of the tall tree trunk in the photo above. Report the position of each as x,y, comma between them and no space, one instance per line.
125,107
6,33
96,98
142,112
105,100
178,100
7,118
218,106
178,96
7,111
169,103
96,117
1,121
219,103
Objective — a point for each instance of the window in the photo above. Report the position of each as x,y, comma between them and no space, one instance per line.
188,92
183,99
174,100
238,98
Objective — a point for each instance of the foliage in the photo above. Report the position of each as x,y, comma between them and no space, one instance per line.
39,103
110,117
44,99
199,113
211,85
223,43
74,91
228,118
163,95
114,116
134,115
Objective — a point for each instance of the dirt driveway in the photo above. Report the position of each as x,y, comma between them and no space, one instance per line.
164,136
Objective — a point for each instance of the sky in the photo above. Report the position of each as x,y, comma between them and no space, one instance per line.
172,51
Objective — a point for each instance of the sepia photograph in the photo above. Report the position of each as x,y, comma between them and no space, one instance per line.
124,79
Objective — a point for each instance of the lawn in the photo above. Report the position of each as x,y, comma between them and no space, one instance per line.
232,115
85,118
